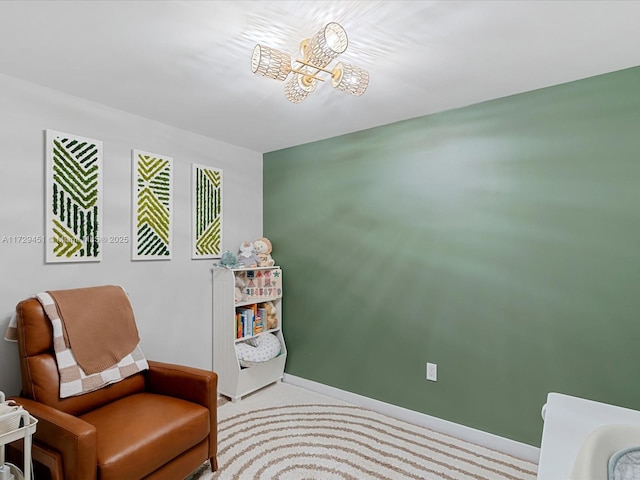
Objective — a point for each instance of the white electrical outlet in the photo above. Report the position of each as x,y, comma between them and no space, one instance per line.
432,372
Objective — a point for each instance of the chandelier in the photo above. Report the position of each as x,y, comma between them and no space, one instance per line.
317,53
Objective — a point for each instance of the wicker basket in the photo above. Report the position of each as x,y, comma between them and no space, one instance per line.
9,416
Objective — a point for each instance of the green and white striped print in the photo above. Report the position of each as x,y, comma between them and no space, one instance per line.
73,198
207,211
153,206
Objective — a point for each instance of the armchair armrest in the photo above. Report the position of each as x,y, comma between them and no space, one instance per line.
192,384
188,383
71,436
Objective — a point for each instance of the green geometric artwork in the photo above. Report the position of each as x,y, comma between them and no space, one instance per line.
73,198
152,206
206,206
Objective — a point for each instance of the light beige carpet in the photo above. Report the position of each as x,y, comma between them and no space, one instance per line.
287,433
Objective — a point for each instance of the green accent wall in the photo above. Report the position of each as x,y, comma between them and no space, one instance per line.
500,241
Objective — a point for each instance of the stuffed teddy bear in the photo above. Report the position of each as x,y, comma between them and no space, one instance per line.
247,256
263,250
272,319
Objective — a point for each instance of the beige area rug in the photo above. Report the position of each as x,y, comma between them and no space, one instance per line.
280,434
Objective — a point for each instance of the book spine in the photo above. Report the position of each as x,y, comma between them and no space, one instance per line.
243,316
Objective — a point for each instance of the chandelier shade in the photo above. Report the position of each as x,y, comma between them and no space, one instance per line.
350,79
317,53
299,87
270,62
326,45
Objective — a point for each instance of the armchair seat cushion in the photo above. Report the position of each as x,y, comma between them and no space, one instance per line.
137,433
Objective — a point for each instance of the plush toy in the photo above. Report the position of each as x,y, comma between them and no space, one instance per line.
228,259
239,288
272,319
247,256
263,251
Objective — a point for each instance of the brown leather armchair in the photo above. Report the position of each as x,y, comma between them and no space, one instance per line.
160,424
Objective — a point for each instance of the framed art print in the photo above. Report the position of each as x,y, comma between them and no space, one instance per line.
73,198
152,212
206,211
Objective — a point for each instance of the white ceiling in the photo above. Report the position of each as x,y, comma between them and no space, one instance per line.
187,63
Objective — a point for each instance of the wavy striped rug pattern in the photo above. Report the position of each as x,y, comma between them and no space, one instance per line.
347,442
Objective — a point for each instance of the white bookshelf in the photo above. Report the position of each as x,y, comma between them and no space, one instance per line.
235,381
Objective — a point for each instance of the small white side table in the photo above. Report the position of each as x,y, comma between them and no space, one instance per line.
26,431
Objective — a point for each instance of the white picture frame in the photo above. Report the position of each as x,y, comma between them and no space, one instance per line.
152,206
73,198
206,211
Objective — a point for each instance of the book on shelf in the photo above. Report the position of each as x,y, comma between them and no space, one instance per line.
249,322
262,313
258,325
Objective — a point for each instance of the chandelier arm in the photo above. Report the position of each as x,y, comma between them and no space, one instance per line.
307,74
313,66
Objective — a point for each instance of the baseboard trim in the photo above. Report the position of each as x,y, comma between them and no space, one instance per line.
489,440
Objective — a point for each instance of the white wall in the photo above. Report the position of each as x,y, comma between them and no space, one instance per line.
171,298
